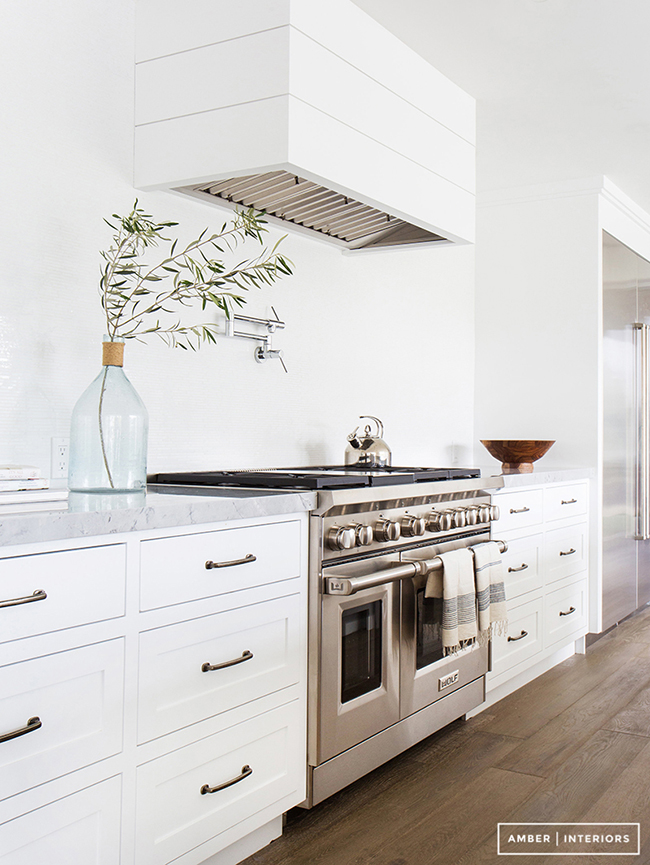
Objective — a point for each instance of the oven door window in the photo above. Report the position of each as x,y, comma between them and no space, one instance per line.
428,630
361,650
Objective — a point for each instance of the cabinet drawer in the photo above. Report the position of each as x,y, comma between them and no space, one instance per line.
565,552
173,815
77,695
522,565
517,510
173,570
524,637
565,613
565,501
81,586
176,691
81,829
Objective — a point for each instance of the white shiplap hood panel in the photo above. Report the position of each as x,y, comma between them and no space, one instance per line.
257,102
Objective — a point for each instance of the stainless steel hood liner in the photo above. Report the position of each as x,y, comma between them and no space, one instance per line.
293,199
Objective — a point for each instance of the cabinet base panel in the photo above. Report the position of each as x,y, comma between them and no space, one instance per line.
248,845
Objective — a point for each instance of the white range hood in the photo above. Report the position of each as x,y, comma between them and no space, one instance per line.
308,110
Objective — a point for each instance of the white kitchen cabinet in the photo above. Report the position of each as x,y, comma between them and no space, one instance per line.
198,796
143,676
83,827
546,578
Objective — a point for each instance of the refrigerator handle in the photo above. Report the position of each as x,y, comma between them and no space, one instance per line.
642,466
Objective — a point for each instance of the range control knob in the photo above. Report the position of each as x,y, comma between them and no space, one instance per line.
341,537
387,530
494,512
363,535
439,521
412,525
471,515
460,518
484,514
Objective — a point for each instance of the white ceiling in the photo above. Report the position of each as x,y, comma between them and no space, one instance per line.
562,86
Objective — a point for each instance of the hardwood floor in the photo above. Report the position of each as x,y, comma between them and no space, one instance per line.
573,746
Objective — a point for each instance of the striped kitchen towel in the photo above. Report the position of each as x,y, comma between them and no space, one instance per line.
490,591
455,585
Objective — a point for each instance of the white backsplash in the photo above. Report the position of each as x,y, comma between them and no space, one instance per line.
387,333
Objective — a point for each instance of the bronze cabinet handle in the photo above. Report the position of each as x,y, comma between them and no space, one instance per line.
520,568
32,724
246,656
568,612
38,595
519,510
567,552
569,502
245,772
249,558
520,637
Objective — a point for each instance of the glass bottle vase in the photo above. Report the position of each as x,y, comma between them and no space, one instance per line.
108,431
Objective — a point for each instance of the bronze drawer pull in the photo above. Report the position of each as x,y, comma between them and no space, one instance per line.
569,502
32,724
568,612
567,552
246,656
39,595
520,568
520,637
245,772
519,510
249,558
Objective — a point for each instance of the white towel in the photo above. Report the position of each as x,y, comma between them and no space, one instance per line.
456,588
490,591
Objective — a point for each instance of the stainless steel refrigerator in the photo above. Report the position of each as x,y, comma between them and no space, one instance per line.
626,431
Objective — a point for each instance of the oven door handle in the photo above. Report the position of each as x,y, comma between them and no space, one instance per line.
419,568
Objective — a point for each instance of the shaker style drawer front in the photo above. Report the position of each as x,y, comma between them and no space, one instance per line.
565,501
522,565
524,637
51,591
565,552
565,613
58,713
186,568
81,829
201,668
517,510
193,795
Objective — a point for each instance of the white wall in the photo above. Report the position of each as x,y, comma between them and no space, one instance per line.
538,323
389,334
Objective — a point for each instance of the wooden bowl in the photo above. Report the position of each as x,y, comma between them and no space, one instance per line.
517,457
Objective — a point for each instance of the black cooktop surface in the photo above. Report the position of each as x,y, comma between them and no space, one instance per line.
314,477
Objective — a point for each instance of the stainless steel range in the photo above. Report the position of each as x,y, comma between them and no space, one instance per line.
378,679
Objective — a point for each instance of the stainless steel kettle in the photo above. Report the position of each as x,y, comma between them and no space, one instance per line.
368,449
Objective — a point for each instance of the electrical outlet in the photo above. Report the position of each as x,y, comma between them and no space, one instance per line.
60,450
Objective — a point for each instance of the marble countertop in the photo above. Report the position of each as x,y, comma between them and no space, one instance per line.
536,477
79,515
66,515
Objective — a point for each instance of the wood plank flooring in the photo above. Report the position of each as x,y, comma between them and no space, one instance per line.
573,746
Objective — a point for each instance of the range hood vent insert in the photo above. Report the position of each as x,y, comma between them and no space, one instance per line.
290,198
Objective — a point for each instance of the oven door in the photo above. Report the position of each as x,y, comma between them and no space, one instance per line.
426,674
359,664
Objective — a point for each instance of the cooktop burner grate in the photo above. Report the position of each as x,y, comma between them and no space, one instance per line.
314,477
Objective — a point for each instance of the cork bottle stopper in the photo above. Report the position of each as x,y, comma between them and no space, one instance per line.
113,353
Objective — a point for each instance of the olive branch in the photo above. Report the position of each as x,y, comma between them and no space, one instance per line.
133,301
131,297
